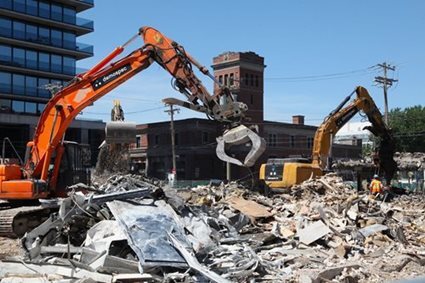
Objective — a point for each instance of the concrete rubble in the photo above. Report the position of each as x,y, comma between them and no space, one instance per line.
404,160
134,230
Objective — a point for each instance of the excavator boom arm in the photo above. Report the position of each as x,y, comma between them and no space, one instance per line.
85,89
340,116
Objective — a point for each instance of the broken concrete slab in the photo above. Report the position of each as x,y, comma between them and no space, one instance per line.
249,208
313,232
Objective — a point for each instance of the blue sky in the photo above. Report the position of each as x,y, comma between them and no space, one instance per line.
297,39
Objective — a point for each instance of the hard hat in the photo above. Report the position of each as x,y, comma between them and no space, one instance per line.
375,176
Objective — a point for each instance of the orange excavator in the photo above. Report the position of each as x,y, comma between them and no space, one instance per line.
284,173
51,164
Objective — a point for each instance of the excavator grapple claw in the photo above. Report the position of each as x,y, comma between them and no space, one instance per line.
240,135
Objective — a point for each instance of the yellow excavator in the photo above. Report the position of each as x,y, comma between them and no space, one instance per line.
284,173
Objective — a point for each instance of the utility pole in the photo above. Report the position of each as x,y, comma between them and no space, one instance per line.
173,142
386,84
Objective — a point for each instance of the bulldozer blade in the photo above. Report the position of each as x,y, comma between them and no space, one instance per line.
119,132
240,135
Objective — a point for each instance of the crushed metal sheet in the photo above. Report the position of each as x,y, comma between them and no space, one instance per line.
194,263
146,228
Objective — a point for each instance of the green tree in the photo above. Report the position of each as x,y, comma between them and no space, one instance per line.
408,127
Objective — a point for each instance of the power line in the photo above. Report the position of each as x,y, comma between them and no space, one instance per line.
363,71
133,112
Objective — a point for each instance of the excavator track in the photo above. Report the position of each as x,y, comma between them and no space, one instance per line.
15,222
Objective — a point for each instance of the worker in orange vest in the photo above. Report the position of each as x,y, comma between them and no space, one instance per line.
376,185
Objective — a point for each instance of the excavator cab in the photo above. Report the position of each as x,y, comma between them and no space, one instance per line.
285,172
75,165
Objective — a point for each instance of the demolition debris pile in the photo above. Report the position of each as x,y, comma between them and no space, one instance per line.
133,230
410,161
405,161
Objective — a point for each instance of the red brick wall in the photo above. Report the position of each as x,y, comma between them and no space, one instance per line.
247,71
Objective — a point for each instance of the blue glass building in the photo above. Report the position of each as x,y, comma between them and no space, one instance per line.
38,46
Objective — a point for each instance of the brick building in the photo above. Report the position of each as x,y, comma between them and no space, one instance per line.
195,149
243,72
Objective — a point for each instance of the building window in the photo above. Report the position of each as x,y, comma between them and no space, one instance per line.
5,105
68,65
272,140
18,106
220,80
292,141
252,99
31,107
156,139
56,63
6,4
252,80
231,79
256,81
69,15
226,80
19,5
69,40
31,33
138,138
43,9
246,79
44,61
19,57
18,84
31,86
18,30
5,27
40,107
42,90
56,36
44,35
5,53
56,12
31,7
176,139
31,59
309,142
205,137
5,82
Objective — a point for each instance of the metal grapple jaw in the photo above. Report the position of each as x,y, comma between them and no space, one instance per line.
240,135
